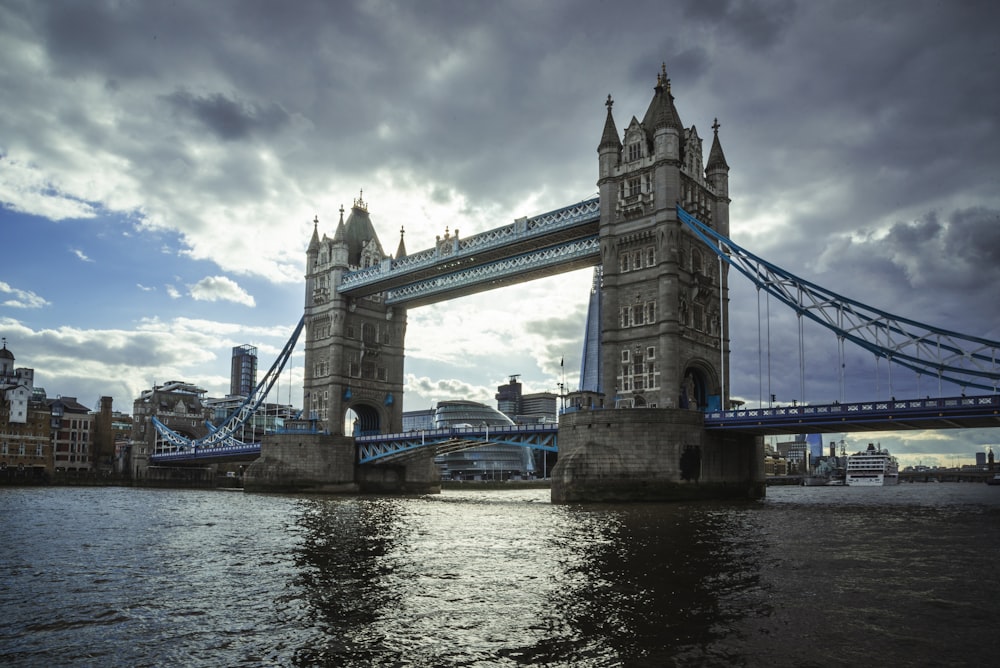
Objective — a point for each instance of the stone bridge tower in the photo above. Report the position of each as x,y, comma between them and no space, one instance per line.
665,323
353,365
353,347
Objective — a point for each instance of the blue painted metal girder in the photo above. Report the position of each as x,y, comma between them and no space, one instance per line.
893,415
527,266
967,361
389,447
224,436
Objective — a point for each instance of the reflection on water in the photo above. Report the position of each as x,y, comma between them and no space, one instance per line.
808,576
346,565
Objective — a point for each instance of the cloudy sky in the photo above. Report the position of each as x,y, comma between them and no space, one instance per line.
161,163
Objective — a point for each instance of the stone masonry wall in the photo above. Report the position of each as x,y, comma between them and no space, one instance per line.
654,454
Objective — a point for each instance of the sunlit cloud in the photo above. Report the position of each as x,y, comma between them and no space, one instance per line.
21,298
220,288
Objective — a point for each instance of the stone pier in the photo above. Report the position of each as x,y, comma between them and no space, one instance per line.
652,454
322,464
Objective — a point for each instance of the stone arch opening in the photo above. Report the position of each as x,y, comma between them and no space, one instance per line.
362,420
696,388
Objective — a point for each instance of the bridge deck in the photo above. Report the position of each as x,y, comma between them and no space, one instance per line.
891,415
870,416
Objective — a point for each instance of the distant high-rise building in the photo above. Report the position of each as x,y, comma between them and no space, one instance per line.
243,378
590,366
537,407
509,397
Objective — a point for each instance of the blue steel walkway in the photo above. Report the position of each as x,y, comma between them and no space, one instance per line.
892,415
395,447
866,416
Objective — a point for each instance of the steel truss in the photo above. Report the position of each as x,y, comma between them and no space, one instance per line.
967,361
395,447
543,224
223,438
491,273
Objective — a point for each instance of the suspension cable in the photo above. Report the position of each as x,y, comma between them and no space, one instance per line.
760,357
770,395
802,362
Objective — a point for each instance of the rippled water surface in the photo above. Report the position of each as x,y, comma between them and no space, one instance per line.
901,576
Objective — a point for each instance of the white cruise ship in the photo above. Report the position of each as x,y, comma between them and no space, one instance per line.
873,467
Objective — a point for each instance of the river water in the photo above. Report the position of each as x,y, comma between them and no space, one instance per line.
810,576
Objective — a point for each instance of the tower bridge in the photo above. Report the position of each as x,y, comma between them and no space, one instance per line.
659,231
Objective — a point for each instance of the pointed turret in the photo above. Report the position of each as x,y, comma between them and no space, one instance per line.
609,138
401,250
716,158
717,174
340,235
338,245
364,247
314,241
609,153
662,113
662,123
717,169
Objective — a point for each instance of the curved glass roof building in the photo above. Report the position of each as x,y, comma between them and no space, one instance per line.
487,462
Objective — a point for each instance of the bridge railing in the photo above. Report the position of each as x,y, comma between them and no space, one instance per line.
850,409
195,452
459,432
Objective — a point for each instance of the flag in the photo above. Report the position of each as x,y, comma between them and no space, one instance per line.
560,361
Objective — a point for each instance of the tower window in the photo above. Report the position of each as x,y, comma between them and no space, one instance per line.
633,187
634,152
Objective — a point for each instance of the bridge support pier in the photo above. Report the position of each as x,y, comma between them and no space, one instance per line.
323,464
653,454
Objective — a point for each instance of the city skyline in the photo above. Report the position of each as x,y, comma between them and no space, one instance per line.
161,168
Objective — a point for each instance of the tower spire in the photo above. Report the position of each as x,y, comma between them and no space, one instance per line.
716,158
401,250
609,138
314,241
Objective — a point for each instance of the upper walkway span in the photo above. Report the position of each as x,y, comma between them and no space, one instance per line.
529,248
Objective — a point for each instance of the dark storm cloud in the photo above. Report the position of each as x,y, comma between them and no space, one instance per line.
756,24
229,119
974,236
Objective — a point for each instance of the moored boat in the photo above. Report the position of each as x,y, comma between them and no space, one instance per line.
873,467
